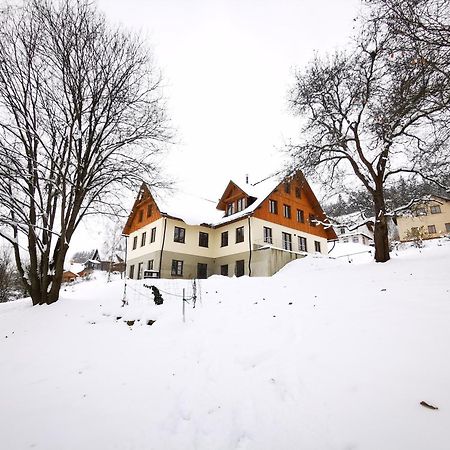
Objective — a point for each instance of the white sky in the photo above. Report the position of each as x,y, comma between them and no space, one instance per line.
227,66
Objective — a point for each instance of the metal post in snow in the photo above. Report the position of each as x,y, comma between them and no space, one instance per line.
184,301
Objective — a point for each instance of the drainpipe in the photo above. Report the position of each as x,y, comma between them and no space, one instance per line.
250,247
162,246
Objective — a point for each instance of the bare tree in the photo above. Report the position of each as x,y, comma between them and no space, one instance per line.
82,119
372,113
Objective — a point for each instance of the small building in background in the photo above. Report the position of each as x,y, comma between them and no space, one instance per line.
354,228
425,218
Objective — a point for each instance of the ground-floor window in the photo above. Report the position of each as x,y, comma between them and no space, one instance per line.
139,274
355,239
150,264
317,246
431,229
224,270
302,246
267,235
447,227
177,268
287,241
131,273
240,268
202,271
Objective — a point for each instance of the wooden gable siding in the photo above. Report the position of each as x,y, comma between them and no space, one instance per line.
232,194
139,214
306,203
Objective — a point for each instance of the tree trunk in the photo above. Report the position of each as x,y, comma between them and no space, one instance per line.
381,228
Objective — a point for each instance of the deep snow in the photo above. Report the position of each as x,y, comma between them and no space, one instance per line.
324,355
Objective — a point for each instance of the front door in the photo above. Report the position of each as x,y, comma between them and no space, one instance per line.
202,271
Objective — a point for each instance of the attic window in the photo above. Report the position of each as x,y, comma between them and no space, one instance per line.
149,209
312,220
240,204
436,209
230,209
287,188
298,192
273,206
141,215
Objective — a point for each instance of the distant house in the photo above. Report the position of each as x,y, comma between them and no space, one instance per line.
94,262
429,215
353,228
69,276
252,230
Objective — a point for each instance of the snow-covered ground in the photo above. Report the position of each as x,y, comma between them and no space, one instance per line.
324,355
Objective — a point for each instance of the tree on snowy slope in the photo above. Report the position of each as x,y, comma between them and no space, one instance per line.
82,119
373,112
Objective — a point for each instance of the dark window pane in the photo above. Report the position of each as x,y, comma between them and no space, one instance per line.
224,239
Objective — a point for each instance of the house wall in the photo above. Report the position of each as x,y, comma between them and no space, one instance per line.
440,220
257,231
263,263
303,203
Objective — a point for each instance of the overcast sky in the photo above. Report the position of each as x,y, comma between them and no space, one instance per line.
227,67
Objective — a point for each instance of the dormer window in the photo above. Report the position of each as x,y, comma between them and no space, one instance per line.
230,209
240,204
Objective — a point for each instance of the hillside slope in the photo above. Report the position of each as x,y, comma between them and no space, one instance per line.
324,355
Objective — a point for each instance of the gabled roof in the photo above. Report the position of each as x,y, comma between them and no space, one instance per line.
195,210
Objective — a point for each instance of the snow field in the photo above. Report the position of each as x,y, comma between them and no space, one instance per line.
324,355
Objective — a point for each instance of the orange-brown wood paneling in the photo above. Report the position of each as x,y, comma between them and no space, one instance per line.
140,214
305,203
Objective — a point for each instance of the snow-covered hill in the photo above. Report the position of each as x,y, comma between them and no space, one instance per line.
324,355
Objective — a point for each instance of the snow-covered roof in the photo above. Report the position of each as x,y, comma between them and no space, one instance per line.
197,210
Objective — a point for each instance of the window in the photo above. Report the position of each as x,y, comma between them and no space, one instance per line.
224,270
131,274
202,271
317,246
273,206
179,234
150,264
300,216
298,192
345,240
134,243
141,215
268,235
177,268
355,239
435,209
342,230
153,235
287,188
240,268
139,274
230,209
143,238
239,234
312,219
431,229
149,209
203,239
224,239
287,211
302,246
421,212
447,227
287,241
241,204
